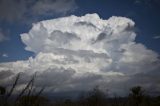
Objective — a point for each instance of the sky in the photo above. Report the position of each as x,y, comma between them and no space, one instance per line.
107,43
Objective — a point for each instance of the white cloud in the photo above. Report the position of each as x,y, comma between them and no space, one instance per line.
77,53
4,55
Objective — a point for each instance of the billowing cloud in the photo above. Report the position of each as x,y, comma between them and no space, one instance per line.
78,53
15,10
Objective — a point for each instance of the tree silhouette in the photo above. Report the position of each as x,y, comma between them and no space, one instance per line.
96,97
137,95
2,90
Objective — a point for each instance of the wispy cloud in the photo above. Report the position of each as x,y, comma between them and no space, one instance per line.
156,37
48,7
5,55
3,37
18,10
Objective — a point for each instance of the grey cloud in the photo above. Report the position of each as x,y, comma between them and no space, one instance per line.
49,7
54,77
16,10
83,23
11,10
3,37
148,80
101,36
62,37
5,74
156,37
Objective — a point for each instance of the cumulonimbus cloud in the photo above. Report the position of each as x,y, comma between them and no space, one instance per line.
78,53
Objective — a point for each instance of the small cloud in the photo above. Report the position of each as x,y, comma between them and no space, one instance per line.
2,36
156,37
137,1
4,55
148,3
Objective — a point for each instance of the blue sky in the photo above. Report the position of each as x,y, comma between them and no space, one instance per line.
145,14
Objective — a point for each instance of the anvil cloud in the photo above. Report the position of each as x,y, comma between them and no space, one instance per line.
78,53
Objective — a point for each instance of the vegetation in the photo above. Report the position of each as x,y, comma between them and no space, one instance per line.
29,97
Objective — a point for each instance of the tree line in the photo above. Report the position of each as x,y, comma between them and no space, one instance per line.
30,96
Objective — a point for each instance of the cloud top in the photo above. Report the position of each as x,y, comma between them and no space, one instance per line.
88,32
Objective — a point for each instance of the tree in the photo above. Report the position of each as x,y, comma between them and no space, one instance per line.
96,97
2,90
137,95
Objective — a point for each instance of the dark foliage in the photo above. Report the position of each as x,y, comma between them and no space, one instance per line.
31,97
2,90
27,97
136,95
